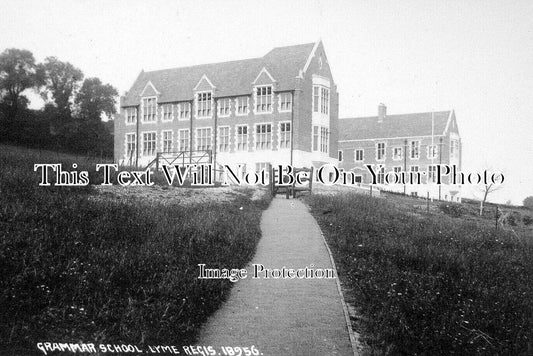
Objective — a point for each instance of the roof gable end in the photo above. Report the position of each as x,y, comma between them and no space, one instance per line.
204,84
264,77
149,90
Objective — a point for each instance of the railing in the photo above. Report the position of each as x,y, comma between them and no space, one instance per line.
293,188
181,157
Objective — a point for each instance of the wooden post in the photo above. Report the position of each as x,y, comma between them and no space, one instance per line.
496,218
157,162
371,190
428,203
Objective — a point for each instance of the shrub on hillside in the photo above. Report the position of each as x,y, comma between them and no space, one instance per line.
452,209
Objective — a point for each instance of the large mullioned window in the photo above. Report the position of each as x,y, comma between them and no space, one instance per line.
263,136
184,140
166,141
320,99
149,109
203,139
223,139
241,105
242,138
285,135
263,99
149,143
131,115
203,103
224,106
380,151
131,144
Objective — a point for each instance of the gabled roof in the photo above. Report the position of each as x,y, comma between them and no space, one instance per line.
404,125
230,78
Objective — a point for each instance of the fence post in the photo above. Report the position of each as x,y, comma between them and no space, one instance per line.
370,190
428,203
496,217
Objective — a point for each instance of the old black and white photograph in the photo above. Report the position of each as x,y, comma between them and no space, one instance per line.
277,178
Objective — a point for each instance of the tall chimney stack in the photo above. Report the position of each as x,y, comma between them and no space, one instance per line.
382,112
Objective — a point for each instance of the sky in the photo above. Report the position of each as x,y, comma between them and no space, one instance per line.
475,57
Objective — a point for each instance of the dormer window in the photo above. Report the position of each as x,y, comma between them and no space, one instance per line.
203,104
263,99
149,109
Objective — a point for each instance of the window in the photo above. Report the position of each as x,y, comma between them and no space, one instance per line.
414,149
149,143
223,139
263,99
432,151
263,137
242,138
414,169
203,139
324,139
454,148
131,144
184,111
241,104
262,166
432,174
359,155
203,104
381,175
224,107
285,135
168,112
184,140
166,137
397,169
358,179
131,115
315,138
380,151
340,156
149,109
397,153
285,102
320,99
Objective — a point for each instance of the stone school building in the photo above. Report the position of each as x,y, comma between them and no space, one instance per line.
282,108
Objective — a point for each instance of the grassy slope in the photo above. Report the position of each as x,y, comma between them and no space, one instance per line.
75,269
430,285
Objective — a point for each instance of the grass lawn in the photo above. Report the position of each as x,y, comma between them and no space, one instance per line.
79,268
430,284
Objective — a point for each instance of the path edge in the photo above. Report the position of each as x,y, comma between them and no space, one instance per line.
353,339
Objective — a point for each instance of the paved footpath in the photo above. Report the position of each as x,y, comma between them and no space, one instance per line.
284,317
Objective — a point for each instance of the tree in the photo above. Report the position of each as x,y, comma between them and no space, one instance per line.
486,190
528,202
95,99
62,81
18,72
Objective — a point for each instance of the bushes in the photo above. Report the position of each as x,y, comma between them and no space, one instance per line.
451,209
432,285
75,268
